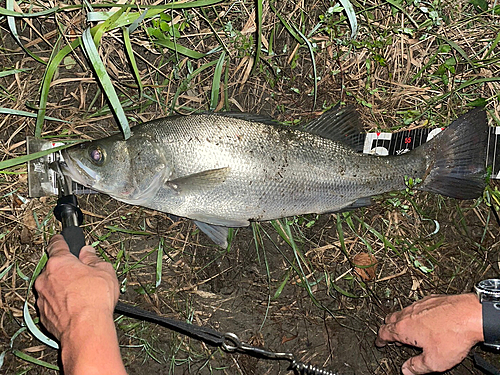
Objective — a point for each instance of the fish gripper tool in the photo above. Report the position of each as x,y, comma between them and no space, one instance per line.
68,212
233,344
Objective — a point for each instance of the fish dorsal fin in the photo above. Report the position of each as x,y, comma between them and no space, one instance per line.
199,181
338,124
250,117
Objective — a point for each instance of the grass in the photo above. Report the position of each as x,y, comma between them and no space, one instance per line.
85,71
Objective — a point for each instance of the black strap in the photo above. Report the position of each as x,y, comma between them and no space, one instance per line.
207,335
484,365
491,322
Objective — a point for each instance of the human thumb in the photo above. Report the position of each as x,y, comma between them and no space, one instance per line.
88,256
416,365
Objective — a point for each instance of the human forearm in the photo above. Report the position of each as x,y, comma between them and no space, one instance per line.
76,299
91,347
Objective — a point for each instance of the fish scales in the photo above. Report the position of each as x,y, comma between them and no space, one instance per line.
279,175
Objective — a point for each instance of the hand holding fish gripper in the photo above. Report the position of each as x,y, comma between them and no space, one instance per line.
71,217
68,213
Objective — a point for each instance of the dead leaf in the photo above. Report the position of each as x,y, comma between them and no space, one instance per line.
365,265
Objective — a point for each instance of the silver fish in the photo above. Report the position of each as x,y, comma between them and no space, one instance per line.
226,170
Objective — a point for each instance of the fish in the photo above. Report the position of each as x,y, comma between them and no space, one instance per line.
226,170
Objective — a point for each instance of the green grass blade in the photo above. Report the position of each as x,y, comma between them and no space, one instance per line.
5,271
105,81
14,14
6,73
131,58
457,48
399,7
17,112
214,95
159,262
35,331
289,28
109,24
178,48
34,360
351,15
258,43
313,61
47,79
25,158
13,30
185,83
493,45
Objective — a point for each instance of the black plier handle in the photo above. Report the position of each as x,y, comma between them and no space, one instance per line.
68,212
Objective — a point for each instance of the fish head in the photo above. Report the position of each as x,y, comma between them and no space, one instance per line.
131,171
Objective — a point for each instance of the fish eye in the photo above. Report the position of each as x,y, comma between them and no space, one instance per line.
97,155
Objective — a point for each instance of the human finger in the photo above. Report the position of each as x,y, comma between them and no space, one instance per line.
394,317
88,256
386,334
416,365
57,246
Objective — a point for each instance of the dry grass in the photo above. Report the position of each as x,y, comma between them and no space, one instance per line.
393,72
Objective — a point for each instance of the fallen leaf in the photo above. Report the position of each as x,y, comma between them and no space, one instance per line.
365,265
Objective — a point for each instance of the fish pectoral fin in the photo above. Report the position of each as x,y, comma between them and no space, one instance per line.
199,181
339,124
217,233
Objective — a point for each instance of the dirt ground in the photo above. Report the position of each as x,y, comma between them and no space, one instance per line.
310,300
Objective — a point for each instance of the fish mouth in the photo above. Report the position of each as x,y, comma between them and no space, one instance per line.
77,171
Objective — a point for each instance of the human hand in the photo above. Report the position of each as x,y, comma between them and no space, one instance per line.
446,327
72,292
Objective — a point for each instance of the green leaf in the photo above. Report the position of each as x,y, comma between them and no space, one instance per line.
131,58
34,360
178,48
6,73
103,77
13,30
25,158
159,262
214,95
17,112
480,5
50,70
351,15
480,102
28,320
12,13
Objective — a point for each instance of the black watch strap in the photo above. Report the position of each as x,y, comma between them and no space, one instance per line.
491,323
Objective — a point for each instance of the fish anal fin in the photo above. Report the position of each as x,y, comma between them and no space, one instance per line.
218,234
361,202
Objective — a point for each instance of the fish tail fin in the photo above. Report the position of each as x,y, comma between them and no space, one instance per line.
457,158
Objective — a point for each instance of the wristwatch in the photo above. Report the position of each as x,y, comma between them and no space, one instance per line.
488,292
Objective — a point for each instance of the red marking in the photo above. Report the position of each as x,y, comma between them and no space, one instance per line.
408,140
53,144
378,134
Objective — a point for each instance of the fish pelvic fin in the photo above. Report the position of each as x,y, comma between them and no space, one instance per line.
456,157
